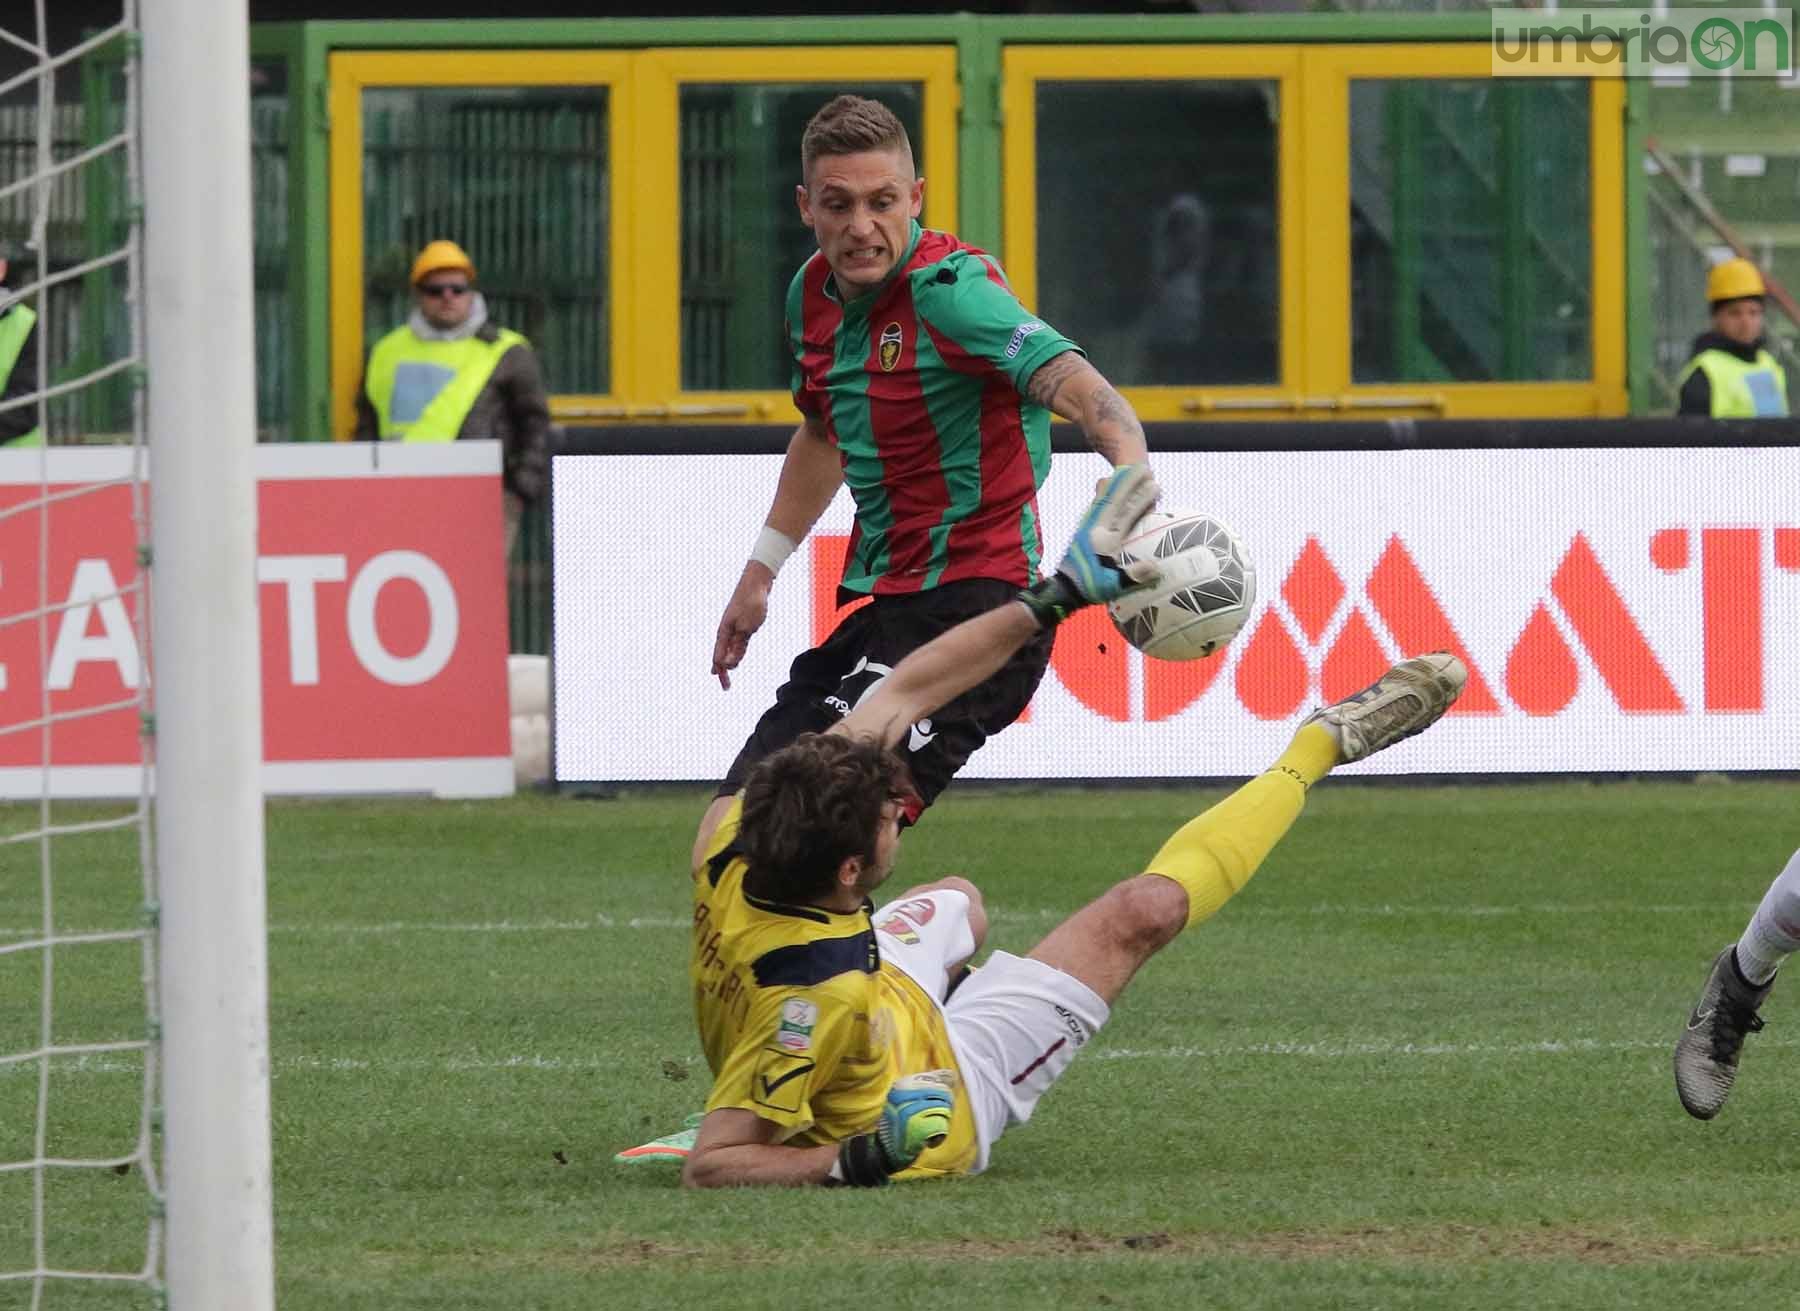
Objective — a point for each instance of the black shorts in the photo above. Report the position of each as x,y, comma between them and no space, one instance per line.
825,682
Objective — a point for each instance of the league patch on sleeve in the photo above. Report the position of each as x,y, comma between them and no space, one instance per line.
794,1033
780,1080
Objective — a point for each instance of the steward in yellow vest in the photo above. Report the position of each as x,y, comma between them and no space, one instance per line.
1732,375
447,372
18,368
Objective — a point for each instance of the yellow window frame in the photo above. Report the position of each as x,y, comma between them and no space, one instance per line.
1023,67
352,72
656,228
1328,72
1313,181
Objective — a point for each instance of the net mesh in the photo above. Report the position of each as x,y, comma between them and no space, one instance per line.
80,1200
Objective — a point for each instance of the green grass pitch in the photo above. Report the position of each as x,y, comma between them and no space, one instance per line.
1422,1061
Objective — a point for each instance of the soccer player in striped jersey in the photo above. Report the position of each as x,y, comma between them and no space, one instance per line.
928,388
837,1055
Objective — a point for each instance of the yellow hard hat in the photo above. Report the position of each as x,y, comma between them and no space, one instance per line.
1733,280
441,255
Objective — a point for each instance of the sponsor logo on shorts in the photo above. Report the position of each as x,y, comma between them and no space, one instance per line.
1072,1022
919,735
890,347
896,927
904,921
1020,333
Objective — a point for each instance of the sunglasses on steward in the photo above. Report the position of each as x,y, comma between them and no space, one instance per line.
443,289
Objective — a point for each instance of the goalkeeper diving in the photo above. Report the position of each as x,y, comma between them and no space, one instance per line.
841,1052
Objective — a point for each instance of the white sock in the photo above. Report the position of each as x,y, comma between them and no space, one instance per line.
1773,933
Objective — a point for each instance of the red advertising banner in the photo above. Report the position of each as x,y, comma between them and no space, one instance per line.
382,602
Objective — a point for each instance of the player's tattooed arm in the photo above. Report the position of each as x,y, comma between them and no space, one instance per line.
1047,381
1071,388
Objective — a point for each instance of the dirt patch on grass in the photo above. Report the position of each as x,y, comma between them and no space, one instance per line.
1440,1245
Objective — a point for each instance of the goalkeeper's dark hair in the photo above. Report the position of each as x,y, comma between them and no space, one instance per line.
850,125
811,806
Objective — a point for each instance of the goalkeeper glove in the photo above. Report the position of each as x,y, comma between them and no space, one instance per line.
917,1116
1090,571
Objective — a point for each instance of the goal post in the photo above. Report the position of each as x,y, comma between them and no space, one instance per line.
207,740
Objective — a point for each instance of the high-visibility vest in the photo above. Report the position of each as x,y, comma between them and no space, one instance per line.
423,390
15,326
1740,390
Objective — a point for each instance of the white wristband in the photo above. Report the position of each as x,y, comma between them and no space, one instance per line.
772,549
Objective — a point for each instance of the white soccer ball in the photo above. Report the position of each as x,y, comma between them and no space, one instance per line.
1207,589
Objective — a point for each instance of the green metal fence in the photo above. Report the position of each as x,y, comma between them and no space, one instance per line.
528,584
86,319
1473,247
60,319
270,179
518,177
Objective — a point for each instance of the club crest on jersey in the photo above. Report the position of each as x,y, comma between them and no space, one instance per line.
889,352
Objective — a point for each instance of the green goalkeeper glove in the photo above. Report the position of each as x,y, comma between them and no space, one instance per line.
1090,571
917,1116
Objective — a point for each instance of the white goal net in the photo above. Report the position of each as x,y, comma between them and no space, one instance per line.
122,1180
80,1197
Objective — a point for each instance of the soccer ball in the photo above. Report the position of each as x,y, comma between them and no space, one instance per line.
1208,587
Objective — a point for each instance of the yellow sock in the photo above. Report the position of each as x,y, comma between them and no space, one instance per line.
1213,855
1310,755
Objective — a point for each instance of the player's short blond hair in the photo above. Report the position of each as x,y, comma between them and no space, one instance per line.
849,125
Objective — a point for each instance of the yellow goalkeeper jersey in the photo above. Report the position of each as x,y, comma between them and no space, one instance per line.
801,1022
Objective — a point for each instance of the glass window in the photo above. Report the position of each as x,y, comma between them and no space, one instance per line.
1157,246
1732,139
518,177
741,236
275,319
84,321
1470,231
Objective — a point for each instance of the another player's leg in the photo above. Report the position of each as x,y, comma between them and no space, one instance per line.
932,936
670,1148
1211,857
1019,1022
1707,1053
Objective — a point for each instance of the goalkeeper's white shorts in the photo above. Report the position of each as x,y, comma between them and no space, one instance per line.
1014,1024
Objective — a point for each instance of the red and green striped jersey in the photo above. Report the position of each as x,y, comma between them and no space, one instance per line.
920,384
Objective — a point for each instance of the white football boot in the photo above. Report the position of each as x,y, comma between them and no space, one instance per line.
1409,698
